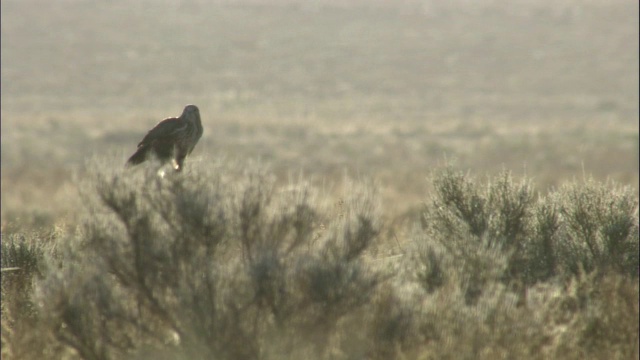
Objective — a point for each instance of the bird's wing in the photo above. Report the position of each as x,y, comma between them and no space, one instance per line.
164,131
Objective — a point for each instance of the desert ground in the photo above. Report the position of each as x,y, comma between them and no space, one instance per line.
380,90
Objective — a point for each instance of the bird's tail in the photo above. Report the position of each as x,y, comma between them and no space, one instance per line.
138,157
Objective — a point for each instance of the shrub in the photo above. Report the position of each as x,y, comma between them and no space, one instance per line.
217,263
582,227
224,263
599,228
22,261
482,229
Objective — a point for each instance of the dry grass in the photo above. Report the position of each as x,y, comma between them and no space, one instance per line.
388,91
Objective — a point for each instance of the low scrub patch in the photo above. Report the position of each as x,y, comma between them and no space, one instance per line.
220,262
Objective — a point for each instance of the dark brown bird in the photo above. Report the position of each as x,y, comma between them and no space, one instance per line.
171,140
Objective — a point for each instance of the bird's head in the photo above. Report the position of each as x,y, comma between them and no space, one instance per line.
190,110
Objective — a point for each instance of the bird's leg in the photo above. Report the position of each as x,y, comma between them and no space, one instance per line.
177,163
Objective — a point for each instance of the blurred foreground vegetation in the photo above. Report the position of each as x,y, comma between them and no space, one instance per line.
221,262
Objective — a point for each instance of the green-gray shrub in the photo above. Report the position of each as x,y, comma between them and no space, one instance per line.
600,227
224,263
217,262
582,227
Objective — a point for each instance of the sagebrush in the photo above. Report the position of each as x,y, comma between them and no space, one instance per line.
222,262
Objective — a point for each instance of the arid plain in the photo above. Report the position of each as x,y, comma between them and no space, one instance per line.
547,89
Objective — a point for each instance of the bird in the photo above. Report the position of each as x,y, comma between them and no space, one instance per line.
172,139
